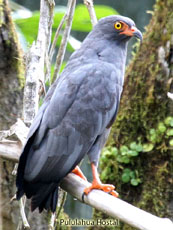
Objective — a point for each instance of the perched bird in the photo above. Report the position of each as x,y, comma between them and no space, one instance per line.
77,114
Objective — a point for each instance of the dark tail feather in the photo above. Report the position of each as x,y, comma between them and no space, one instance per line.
50,202
43,196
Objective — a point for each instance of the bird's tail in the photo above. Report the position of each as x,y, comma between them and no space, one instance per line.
43,196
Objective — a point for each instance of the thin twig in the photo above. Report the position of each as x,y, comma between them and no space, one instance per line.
49,35
52,221
51,52
62,204
52,49
54,216
60,208
14,172
90,6
22,212
59,59
50,22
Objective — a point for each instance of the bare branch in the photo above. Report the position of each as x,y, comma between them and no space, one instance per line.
114,207
10,150
52,221
8,147
90,6
19,129
52,49
36,60
51,52
22,212
49,35
59,59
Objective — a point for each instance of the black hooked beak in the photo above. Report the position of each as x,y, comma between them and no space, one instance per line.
137,33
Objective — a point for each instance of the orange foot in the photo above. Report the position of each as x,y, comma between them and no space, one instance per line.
79,173
96,184
104,187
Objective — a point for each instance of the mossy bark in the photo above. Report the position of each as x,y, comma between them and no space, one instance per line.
143,110
11,103
11,91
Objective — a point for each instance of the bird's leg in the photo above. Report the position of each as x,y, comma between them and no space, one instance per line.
96,184
79,173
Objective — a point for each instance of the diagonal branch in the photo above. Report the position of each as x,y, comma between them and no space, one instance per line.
114,207
90,6
59,59
52,49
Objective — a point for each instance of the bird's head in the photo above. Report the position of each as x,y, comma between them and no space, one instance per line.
117,27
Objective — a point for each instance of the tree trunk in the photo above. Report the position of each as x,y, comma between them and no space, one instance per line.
11,98
143,130
11,91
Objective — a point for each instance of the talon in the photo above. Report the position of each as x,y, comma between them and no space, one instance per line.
79,173
107,187
114,193
83,195
96,184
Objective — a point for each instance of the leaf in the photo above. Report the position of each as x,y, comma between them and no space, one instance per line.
124,149
30,32
161,127
152,135
153,138
119,159
171,142
169,121
106,153
81,20
132,174
114,151
139,148
169,132
136,147
133,153
125,159
134,182
148,147
125,177
127,170
133,145
152,131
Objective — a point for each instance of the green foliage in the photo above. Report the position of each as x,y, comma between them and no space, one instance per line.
131,176
81,21
125,157
169,121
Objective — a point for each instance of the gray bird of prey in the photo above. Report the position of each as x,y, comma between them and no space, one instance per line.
77,114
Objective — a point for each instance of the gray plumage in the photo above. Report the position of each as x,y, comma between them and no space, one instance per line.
76,115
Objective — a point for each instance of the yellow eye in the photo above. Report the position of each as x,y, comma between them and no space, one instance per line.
118,25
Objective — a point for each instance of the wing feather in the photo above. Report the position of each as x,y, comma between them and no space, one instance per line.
75,116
